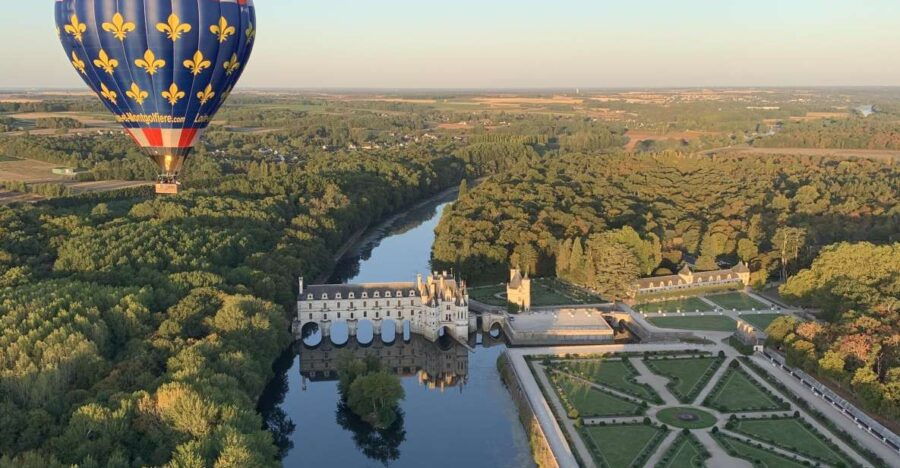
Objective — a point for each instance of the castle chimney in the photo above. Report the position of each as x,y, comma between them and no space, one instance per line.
301,285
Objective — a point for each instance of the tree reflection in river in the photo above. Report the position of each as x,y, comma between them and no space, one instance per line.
275,420
381,445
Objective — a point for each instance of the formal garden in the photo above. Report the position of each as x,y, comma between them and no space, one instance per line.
722,323
736,301
683,410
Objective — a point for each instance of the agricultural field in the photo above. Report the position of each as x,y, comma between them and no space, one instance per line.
696,322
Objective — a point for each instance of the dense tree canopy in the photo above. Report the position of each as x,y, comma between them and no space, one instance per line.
857,286
771,211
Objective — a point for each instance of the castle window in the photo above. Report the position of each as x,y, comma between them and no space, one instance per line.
310,316
377,294
326,317
365,315
324,296
310,306
352,315
411,302
339,306
399,294
339,315
337,296
364,303
412,293
387,294
352,296
309,297
365,295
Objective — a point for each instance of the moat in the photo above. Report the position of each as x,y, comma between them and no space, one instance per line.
456,411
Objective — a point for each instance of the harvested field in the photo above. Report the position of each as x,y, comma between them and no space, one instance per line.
637,137
886,155
29,171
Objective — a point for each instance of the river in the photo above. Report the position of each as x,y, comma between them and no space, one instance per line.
456,411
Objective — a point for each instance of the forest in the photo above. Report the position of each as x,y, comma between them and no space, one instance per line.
857,286
775,212
141,330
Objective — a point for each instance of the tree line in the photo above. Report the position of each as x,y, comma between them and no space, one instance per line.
857,288
773,212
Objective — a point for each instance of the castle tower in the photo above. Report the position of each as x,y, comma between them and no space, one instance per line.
518,290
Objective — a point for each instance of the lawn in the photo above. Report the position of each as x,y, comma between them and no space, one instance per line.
552,291
698,322
760,321
685,452
615,374
750,453
687,377
738,301
621,445
485,294
736,392
669,416
590,402
790,433
688,304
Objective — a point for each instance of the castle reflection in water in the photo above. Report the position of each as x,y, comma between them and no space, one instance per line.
437,365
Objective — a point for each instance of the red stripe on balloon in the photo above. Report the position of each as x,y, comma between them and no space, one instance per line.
187,137
154,136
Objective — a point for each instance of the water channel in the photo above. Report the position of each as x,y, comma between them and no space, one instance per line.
456,411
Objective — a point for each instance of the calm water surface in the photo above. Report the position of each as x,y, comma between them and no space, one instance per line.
456,412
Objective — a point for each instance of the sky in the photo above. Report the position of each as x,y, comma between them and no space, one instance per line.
400,44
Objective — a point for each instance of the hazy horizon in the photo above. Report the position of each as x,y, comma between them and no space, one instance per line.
528,45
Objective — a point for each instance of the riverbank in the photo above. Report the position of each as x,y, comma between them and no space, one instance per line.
370,234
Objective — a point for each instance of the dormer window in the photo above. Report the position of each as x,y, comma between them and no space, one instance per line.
324,296
337,296
387,294
399,293
412,293
352,296
377,294
309,297
365,295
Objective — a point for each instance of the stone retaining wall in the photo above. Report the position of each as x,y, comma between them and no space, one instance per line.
540,448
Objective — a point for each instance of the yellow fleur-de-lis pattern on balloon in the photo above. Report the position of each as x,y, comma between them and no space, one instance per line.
173,94
205,95
77,63
232,65
76,28
173,27
251,33
105,62
197,63
108,93
136,93
223,30
150,63
119,27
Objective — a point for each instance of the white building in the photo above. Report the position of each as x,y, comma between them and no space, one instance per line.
439,302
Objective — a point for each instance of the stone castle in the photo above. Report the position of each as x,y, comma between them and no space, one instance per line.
436,304
518,290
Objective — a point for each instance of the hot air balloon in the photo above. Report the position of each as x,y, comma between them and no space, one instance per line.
163,67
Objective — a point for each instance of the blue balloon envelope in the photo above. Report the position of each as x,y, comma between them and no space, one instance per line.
163,67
